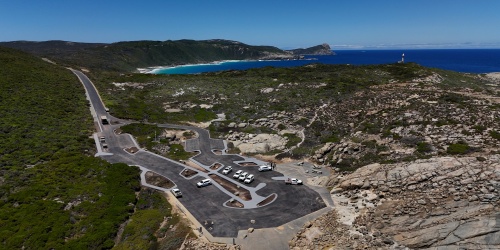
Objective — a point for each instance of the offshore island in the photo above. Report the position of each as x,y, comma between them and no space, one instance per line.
390,156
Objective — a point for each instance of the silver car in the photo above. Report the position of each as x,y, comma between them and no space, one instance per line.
204,182
237,174
243,176
176,192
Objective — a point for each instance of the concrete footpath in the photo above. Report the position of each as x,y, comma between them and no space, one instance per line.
276,238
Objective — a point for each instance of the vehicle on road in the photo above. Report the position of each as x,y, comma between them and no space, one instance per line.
104,119
227,170
293,181
265,168
249,178
243,176
176,192
204,183
237,174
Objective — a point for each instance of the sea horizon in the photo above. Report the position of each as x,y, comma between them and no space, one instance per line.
460,60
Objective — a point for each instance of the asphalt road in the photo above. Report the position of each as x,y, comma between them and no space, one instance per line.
206,204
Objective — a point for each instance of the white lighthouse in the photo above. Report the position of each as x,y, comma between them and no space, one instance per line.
402,58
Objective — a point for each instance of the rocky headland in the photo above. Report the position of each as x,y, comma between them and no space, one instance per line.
323,49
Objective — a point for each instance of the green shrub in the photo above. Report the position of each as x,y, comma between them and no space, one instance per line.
458,148
479,128
424,147
292,140
331,138
495,134
177,152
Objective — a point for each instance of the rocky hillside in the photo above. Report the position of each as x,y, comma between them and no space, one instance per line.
128,56
442,202
428,200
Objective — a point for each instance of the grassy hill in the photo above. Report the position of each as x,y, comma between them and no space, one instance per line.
128,56
53,193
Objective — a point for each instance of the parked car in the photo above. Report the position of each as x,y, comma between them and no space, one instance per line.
243,176
104,145
204,182
249,178
293,181
102,139
265,168
237,174
227,170
176,192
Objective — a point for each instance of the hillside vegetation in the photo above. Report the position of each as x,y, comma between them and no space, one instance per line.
53,193
128,56
378,113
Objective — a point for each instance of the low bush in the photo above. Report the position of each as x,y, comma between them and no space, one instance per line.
458,148
424,147
495,134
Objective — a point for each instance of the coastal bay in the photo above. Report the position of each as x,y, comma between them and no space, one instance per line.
461,60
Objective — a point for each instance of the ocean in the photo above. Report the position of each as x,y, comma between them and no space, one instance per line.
461,60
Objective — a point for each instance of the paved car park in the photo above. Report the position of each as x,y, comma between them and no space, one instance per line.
206,204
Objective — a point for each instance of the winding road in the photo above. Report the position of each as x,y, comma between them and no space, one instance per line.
207,204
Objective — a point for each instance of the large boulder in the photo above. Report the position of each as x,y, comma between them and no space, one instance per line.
261,143
257,148
441,202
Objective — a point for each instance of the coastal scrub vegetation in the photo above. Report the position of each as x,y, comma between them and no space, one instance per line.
150,137
329,103
53,193
147,227
238,94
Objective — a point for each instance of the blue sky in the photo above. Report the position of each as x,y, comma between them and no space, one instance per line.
344,24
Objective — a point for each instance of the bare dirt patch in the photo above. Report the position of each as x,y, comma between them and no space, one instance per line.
268,200
216,166
233,188
188,172
195,166
248,164
235,203
158,180
132,150
217,152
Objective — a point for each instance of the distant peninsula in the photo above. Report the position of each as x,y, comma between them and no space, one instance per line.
323,49
130,55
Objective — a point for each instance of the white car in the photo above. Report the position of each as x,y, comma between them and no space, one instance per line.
243,176
249,178
227,170
237,174
203,183
102,139
293,181
265,168
176,192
